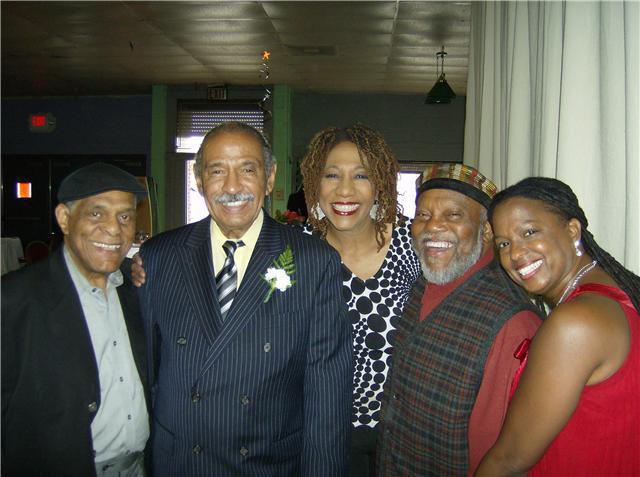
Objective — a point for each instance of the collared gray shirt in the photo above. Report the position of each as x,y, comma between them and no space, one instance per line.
121,425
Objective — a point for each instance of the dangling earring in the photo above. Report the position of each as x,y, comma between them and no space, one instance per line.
374,210
576,244
317,211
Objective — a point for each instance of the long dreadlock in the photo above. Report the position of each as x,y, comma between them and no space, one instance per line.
382,168
559,199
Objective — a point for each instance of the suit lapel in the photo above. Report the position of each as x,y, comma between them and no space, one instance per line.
67,321
70,324
252,289
197,266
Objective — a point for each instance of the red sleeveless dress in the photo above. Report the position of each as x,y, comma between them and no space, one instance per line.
602,438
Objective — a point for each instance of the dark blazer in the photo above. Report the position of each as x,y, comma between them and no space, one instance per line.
269,391
50,386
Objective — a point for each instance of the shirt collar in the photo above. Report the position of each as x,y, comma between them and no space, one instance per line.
114,279
250,237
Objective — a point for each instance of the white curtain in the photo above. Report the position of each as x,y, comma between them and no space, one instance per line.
553,91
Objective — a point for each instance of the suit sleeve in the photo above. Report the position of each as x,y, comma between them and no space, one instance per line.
145,293
328,384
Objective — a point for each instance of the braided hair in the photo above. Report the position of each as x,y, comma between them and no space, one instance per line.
559,199
382,168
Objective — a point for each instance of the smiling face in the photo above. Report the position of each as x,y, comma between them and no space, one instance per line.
450,233
346,194
233,181
98,232
535,246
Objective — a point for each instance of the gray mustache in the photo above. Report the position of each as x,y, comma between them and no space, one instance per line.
226,198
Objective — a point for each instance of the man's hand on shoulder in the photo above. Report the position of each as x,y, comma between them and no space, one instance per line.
138,276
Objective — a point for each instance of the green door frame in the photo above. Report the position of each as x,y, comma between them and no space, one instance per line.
282,146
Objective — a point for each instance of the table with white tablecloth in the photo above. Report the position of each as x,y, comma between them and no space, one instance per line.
12,254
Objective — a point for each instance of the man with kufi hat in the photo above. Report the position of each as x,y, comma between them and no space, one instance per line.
453,365
74,397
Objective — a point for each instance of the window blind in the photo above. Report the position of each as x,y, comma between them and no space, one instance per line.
195,120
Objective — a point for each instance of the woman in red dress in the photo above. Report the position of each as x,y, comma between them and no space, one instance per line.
576,411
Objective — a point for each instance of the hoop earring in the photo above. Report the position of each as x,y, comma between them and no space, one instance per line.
317,211
577,244
374,210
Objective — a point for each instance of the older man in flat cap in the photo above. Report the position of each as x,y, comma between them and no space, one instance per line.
453,366
73,348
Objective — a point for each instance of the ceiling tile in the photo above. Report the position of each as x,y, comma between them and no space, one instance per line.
72,47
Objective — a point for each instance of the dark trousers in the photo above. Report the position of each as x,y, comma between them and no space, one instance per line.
363,452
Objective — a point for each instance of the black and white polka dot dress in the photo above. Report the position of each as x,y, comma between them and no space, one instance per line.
375,305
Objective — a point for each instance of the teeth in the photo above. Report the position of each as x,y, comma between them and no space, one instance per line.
346,207
236,203
434,244
106,246
529,268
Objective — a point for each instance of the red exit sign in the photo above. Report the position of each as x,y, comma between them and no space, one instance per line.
42,122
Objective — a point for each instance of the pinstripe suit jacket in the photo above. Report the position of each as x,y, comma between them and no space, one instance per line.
266,393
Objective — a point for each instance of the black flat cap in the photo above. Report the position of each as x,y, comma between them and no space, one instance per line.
97,178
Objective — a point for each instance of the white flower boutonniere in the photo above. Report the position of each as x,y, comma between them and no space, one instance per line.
279,277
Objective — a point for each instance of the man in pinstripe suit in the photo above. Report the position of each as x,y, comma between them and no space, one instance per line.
263,387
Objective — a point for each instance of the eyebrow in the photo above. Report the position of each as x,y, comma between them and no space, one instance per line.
106,207
360,166
223,163
527,223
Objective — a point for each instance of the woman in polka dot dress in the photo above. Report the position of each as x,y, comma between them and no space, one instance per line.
349,179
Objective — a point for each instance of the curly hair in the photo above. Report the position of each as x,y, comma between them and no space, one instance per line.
376,157
559,199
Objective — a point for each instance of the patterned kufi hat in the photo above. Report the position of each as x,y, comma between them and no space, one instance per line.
460,178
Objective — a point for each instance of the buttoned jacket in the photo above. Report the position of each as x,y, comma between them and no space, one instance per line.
268,391
50,383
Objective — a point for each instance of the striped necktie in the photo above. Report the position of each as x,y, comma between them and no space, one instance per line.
228,277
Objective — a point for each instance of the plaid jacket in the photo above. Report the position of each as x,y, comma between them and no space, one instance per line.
437,369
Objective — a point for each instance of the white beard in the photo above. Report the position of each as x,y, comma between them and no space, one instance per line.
458,266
